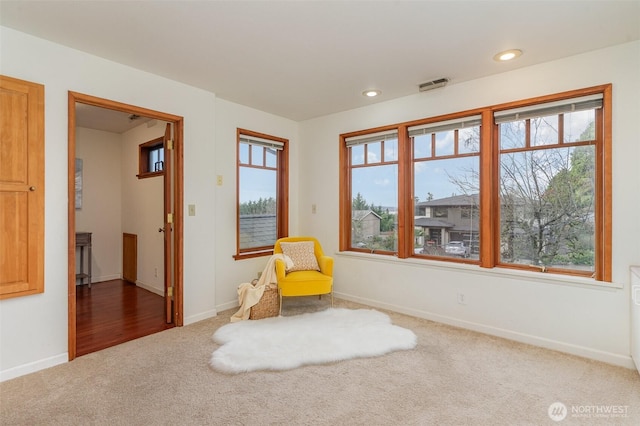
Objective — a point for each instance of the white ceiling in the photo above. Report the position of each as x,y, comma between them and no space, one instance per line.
304,59
108,120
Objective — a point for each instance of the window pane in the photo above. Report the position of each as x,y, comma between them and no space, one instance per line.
374,218
257,157
272,157
357,155
444,143
447,207
547,212
374,151
156,160
513,135
469,140
391,150
544,131
422,146
244,153
257,207
580,126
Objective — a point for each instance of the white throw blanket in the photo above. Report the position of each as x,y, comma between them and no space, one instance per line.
250,294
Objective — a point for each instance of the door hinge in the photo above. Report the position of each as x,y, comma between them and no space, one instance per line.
169,143
169,217
169,291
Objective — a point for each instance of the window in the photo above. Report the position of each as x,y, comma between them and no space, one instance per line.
547,184
524,185
262,176
446,163
373,166
151,158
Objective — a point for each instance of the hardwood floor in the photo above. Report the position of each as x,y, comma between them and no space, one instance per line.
114,312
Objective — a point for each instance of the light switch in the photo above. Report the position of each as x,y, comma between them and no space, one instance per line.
192,209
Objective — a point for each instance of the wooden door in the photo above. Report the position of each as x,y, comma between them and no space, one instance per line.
168,224
21,187
130,257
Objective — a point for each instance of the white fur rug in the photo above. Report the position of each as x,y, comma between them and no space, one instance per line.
283,343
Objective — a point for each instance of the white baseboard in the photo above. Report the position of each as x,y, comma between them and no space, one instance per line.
95,280
158,291
229,305
32,367
590,353
201,316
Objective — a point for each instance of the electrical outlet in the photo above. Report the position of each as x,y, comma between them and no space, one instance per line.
192,209
155,272
219,180
313,209
462,299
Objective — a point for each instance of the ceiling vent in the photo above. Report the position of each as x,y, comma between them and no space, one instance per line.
433,84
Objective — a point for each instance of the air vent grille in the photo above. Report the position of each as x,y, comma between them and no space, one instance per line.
433,84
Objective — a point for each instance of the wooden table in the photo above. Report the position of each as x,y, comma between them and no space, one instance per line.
83,240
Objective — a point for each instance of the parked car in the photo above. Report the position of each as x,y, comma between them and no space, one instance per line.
457,248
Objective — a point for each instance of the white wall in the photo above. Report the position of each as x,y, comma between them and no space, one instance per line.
33,329
101,154
565,314
143,207
230,116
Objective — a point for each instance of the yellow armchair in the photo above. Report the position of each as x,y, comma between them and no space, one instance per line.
304,282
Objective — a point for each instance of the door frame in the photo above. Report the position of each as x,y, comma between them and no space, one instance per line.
178,196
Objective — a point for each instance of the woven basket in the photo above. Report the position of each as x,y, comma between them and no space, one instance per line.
268,306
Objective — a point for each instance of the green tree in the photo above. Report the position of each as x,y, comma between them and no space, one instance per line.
548,204
359,203
260,206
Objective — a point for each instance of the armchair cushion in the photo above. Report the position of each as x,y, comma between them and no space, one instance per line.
302,254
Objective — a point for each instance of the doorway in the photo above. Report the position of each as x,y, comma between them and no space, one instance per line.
173,204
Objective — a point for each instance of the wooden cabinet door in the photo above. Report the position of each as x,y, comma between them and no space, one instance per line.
21,188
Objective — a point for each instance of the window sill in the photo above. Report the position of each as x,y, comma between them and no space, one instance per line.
150,174
252,254
540,277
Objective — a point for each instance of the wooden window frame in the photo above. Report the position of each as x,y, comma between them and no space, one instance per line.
489,181
143,158
366,164
282,193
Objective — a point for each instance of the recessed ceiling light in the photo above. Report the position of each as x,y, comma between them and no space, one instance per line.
507,55
371,93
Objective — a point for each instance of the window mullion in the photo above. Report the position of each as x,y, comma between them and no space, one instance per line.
489,181
405,194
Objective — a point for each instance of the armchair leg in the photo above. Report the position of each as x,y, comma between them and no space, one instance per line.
280,295
331,299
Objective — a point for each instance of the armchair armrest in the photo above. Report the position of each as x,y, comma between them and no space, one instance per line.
326,265
281,271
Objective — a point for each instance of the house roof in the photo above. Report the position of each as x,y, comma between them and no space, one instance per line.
258,230
429,222
361,214
454,201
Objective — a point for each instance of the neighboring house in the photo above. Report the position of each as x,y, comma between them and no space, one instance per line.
365,224
449,219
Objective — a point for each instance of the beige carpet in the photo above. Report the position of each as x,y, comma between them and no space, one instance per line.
453,377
